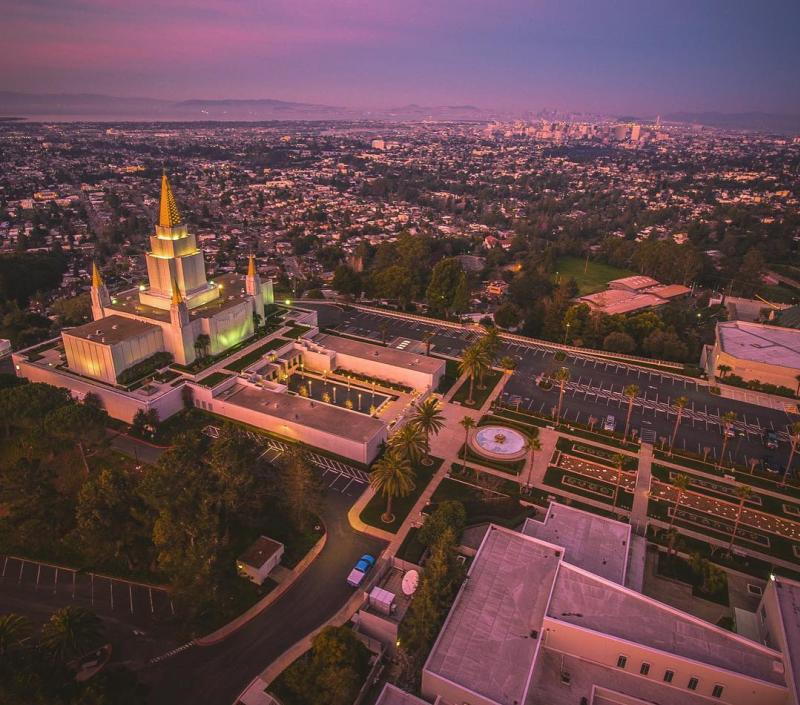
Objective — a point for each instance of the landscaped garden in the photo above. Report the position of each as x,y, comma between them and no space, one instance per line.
253,355
481,389
587,487
482,504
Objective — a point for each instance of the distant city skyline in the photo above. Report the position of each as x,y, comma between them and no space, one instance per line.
607,57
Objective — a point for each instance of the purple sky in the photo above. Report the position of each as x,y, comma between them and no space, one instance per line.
597,55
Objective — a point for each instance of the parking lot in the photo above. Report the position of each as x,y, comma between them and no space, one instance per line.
139,603
595,390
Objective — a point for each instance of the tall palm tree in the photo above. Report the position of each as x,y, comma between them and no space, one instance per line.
561,376
71,632
14,629
427,337
392,476
410,441
630,391
429,417
794,441
474,360
491,342
681,483
532,445
619,461
743,492
723,370
467,423
508,364
727,424
679,404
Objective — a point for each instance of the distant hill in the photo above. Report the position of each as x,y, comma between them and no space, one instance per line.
761,122
90,106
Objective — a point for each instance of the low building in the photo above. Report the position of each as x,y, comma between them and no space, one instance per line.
531,627
754,351
631,294
258,561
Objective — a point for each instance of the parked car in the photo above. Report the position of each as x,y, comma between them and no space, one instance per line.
362,567
770,440
769,465
609,423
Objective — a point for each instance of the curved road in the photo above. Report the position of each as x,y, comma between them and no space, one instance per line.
215,675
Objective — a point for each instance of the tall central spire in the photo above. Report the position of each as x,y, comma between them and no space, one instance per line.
168,216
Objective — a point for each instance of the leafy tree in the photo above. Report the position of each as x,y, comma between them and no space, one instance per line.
332,672
145,423
74,311
449,514
619,342
27,406
109,517
80,424
447,281
347,281
507,315
392,476
71,632
302,487
750,272
14,629
394,283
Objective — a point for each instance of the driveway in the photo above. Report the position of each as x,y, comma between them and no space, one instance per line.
215,675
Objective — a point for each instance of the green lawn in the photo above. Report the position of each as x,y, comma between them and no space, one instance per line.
296,331
481,505
371,514
450,376
253,355
213,379
490,380
594,279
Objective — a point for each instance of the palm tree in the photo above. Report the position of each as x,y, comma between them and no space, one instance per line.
392,476
680,404
727,423
467,424
532,445
427,337
561,376
428,416
723,370
743,492
410,441
508,364
14,629
619,461
630,391
491,342
474,360
794,440
681,484
71,632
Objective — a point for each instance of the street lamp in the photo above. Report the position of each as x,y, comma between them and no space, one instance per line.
566,333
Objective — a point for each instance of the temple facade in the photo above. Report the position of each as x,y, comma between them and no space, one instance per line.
179,311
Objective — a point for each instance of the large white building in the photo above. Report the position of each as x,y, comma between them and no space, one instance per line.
552,616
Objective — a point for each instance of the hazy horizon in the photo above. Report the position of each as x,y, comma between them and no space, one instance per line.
606,57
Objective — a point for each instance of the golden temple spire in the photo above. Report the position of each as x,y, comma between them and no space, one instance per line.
97,280
176,293
251,266
168,216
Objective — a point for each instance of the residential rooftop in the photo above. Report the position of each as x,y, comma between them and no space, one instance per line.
260,551
391,695
598,544
756,342
490,638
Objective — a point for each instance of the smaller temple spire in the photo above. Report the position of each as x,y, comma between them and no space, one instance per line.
251,266
97,280
176,293
169,216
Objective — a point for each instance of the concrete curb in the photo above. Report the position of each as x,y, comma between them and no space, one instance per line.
354,518
226,630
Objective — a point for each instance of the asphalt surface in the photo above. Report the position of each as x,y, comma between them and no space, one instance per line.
215,675
595,389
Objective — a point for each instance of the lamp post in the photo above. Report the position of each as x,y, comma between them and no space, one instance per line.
566,333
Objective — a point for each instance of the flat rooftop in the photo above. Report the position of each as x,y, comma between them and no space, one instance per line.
379,353
111,329
314,414
594,543
391,695
260,551
487,643
232,294
593,603
769,345
788,596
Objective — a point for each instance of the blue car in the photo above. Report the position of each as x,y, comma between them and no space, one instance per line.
362,567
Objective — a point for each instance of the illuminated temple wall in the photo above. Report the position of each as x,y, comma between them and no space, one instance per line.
104,361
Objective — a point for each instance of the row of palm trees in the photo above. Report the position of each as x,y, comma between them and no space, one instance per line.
393,475
480,357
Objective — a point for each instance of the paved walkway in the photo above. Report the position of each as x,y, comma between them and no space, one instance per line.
641,494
